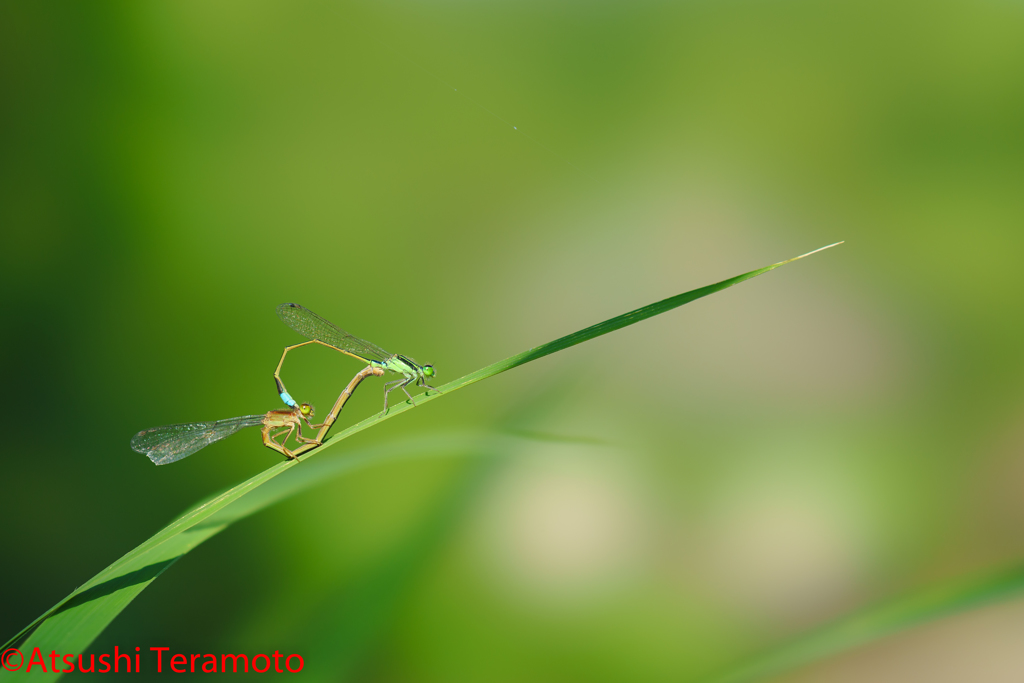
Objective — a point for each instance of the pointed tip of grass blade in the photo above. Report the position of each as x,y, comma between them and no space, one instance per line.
797,258
762,271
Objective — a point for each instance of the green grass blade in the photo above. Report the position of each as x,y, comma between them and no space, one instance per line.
874,624
562,343
76,621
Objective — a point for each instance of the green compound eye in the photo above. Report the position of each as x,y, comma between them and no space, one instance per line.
428,370
306,409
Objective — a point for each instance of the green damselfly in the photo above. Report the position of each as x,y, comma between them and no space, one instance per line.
319,330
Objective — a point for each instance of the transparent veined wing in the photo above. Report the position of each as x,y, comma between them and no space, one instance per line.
315,328
171,443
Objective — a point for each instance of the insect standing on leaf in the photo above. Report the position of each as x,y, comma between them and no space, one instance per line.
322,331
171,443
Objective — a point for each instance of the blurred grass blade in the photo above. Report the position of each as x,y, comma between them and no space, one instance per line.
76,621
874,624
341,631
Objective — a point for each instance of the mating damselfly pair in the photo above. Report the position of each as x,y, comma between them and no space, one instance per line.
171,443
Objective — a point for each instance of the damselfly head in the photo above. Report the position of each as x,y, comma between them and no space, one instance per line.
306,410
428,370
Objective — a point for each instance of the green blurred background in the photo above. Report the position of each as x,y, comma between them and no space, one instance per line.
831,435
